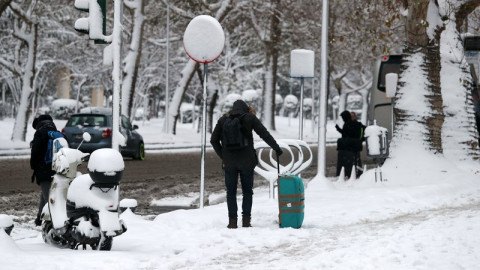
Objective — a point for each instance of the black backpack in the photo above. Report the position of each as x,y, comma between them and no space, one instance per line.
233,137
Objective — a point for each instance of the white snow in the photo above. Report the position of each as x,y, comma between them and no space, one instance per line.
374,135
290,101
348,225
106,160
5,221
425,216
302,63
204,39
128,203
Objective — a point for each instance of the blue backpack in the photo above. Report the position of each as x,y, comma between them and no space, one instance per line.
52,135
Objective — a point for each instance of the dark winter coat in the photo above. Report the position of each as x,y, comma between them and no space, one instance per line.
42,172
351,134
245,158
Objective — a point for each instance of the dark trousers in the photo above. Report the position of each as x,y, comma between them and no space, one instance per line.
246,180
346,160
358,164
45,186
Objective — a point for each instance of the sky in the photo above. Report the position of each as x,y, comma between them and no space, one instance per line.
417,218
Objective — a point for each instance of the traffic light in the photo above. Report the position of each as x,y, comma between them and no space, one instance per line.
95,24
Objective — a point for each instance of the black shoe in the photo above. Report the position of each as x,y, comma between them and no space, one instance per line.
232,223
246,221
38,222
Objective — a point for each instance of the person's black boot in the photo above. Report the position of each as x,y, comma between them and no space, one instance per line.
232,223
246,221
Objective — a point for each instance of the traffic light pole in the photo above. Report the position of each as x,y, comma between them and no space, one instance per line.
117,72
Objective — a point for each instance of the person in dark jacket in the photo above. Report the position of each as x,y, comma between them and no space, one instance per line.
349,144
42,172
240,162
360,131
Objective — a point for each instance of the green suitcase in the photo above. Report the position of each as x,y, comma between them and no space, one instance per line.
291,201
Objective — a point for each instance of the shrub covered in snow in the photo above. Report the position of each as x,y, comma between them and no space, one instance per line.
62,108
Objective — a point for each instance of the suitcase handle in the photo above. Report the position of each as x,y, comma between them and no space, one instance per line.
278,163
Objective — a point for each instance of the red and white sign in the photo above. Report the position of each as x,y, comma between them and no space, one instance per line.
203,39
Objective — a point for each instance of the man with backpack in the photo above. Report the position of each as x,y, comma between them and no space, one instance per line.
349,145
360,129
39,163
232,140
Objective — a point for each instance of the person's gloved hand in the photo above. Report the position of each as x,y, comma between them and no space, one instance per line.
279,151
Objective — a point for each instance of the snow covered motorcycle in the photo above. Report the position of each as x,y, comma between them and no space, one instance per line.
82,209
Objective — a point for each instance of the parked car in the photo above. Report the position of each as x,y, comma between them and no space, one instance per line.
98,123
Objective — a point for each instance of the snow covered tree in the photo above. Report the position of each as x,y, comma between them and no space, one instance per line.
22,62
434,72
131,62
3,5
219,11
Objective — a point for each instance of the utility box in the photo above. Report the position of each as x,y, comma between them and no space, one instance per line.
377,142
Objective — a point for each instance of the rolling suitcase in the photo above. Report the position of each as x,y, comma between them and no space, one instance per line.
291,201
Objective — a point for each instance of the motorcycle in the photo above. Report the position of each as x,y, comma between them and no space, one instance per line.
82,209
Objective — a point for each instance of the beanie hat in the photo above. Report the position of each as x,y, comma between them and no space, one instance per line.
41,118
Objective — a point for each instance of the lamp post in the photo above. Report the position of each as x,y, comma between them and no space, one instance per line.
302,63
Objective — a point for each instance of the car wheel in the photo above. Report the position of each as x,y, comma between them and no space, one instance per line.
140,155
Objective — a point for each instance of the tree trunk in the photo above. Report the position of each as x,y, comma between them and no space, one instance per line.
20,126
271,66
3,5
131,63
444,126
213,103
417,41
177,99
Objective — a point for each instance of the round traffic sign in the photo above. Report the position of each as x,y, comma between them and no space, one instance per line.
203,39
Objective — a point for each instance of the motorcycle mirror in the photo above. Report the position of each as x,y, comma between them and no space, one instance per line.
86,136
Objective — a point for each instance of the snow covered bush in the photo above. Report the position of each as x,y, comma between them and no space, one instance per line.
62,108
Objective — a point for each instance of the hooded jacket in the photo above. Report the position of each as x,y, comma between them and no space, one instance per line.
351,134
43,172
245,158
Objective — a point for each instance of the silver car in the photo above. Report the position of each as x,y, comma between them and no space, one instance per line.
98,123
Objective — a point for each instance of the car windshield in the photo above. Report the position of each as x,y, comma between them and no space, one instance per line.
87,120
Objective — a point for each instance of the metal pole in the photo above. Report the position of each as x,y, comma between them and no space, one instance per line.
204,133
117,79
300,133
167,92
393,116
313,106
322,114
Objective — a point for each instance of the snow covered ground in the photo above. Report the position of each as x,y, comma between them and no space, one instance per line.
426,215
